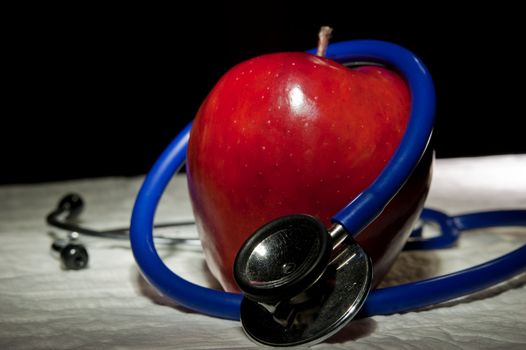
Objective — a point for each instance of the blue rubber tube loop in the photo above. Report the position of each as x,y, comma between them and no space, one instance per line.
381,301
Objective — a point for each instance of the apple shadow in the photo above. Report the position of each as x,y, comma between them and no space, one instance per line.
147,290
144,288
411,266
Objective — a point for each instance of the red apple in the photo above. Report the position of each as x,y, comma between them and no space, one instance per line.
291,133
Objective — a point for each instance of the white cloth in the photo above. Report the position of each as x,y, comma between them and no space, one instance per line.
109,305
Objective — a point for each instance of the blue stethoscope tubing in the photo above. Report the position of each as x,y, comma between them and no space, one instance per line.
354,217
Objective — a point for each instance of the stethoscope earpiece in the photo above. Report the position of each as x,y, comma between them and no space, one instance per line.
72,204
301,283
73,254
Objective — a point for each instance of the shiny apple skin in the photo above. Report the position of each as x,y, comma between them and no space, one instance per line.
291,133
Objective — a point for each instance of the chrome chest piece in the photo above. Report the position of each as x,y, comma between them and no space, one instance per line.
301,284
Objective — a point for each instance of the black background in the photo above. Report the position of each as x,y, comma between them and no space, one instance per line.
98,91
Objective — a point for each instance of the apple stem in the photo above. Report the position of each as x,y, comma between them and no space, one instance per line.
323,40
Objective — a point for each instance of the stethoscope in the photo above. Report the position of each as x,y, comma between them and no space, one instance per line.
302,283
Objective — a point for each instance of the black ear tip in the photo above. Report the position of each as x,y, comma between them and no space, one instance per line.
74,256
72,203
